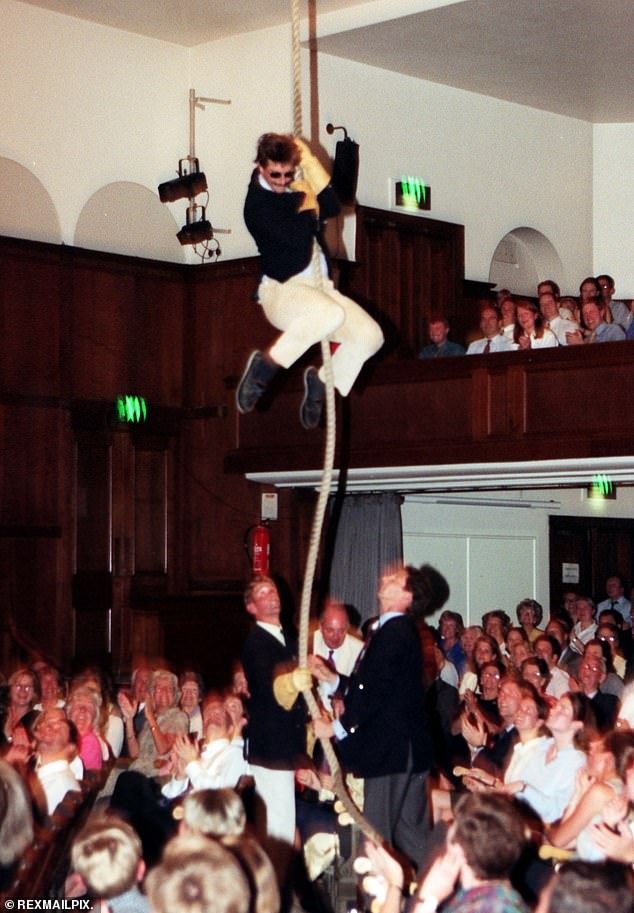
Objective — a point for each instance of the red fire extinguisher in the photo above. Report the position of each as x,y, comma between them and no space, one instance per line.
259,550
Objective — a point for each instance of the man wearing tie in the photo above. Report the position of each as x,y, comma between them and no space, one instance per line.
334,643
382,734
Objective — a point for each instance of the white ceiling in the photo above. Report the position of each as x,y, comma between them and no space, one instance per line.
572,57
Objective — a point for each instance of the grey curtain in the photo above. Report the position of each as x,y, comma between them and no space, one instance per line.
368,538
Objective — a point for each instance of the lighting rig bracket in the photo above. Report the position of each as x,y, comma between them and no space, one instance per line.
191,182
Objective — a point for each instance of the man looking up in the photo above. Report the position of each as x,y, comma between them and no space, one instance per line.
286,217
383,735
275,737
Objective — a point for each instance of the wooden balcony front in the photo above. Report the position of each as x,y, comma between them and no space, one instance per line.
556,404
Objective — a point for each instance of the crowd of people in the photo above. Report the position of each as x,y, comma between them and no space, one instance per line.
512,322
481,756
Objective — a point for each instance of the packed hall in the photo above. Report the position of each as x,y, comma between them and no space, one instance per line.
305,608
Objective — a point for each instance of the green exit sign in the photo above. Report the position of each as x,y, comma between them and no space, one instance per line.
412,193
131,409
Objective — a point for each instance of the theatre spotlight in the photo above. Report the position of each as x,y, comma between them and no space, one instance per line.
195,231
189,183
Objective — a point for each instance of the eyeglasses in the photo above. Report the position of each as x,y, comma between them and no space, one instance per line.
282,174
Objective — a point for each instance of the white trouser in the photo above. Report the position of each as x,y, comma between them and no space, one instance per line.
276,788
307,314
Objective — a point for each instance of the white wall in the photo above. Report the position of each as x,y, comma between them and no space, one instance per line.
84,106
614,204
493,556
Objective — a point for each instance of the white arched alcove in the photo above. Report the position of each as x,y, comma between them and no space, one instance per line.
127,218
523,258
26,209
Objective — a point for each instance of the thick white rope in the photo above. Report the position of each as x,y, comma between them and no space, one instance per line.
326,480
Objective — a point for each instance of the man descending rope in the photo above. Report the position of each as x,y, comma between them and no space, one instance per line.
285,216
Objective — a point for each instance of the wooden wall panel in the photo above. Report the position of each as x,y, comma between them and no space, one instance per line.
30,289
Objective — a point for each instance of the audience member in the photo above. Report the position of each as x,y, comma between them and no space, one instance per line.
23,695
163,722
585,887
218,763
492,338
56,741
548,649
585,627
196,875
618,311
333,641
530,331
591,673
474,871
191,689
593,313
616,599
16,822
83,709
213,813
509,316
440,346
529,615
451,626
107,863
559,325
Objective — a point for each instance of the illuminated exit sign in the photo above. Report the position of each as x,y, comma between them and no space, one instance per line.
131,409
411,193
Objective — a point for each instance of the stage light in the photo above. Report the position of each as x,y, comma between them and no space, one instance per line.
195,231
189,183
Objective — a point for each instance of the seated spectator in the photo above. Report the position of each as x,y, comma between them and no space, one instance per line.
451,626
535,671
561,630
615,311
191,688
213,813
616,599
468,640
593,313
492,338
530,332
485,650
445,669
518,648
529,615
109,726
16,822
197,874
220,762
600,649
551,287
570,309
598,783
52,691
497,624
614,836
610,634
107,863
473,873
548,649
509,316
265,894
553,320
585,627
486,701
585,887
164,721
83,709
234,705
440,346
24,693
591,674
589,290
542,770
56,743
137,694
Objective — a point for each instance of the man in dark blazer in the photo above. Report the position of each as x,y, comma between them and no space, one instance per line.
383,735
275,737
